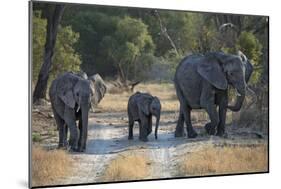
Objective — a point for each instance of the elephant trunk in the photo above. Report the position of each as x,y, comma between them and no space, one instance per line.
237,106
84,129
241,91
156,126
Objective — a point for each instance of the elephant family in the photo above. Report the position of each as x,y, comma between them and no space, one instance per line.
202,81
141,108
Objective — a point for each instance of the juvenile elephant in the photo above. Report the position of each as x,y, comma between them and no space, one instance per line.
70,97
201,81
141,108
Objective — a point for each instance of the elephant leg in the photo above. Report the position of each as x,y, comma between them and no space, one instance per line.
143,130
80,132
149,128
82,146
184,115
213,115
179,128
65,134
61,128
131,126
222,115
191,133
69,117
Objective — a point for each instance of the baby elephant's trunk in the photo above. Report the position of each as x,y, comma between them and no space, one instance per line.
156,126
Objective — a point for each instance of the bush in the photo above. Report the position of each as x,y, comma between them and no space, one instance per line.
36,137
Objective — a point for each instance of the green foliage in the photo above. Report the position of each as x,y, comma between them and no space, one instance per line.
36,137
38,42
250,45
93,26
252,48
130,40
65,58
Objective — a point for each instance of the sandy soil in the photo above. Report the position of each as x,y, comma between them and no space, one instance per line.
107,137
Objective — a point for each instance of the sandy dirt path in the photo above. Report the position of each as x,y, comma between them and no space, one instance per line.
107,137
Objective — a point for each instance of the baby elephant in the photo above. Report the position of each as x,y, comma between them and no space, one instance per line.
141,108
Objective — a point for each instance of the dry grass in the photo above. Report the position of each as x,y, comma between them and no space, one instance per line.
127,167
226,160
49,166
165,92
114,102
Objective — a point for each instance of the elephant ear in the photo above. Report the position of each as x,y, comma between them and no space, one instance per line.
68,99
144,104
211,70
98,87
65,90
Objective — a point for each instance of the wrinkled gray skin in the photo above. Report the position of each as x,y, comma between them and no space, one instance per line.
98,86
141,108
202,82
71,97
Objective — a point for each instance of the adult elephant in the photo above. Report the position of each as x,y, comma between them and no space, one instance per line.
201,81
71,97
141,108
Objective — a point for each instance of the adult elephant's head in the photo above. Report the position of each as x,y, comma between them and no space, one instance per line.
221,69
98,87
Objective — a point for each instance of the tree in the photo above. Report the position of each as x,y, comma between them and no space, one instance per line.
130,40
65,57
53,15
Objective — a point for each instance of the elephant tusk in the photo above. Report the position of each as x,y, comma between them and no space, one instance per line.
92,109
237,93
78,109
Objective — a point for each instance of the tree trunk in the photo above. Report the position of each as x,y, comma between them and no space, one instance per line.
53,19
121,74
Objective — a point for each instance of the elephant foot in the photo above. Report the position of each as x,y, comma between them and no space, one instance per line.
179,131
80,150
72,149
76,150
130,137
60,147
192,134
143,139
179,134
221,134
210,129
63,146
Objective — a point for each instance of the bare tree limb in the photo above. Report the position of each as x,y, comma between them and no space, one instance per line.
164,30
